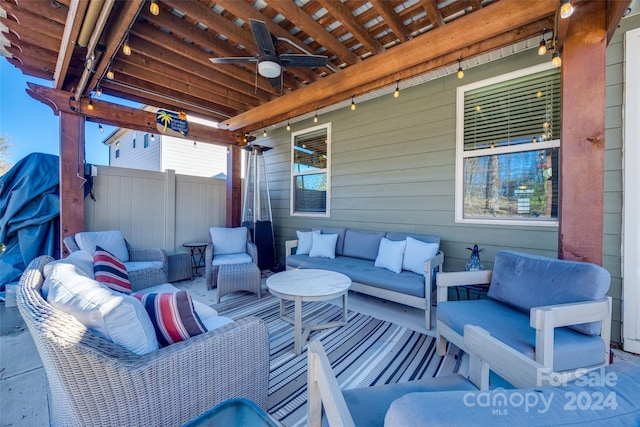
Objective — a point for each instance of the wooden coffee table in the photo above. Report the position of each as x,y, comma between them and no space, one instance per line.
308,285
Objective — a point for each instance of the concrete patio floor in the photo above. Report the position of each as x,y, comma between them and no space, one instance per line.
23,385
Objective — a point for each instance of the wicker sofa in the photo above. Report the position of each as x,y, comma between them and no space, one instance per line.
356,255
93,381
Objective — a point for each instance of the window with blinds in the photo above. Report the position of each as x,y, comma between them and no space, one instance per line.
507,148
310,156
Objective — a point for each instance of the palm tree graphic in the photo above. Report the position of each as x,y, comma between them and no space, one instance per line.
165,118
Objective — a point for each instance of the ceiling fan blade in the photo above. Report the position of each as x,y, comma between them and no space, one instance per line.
275,81
263,38
234,60
296,60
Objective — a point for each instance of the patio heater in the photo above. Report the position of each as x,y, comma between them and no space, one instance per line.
256,207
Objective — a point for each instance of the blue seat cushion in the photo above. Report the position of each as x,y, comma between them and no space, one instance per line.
547,406
369,405
571,349
364,271
525,281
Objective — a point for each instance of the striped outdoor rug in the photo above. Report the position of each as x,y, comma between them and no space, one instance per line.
366,352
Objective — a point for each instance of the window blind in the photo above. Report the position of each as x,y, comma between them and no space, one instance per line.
519,111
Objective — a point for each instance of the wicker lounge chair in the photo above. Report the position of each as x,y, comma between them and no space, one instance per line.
95,382
137,260
231,247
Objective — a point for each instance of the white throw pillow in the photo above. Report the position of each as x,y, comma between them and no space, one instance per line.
390,254
112,240
324,246
120,318
416,253
305,240
81,259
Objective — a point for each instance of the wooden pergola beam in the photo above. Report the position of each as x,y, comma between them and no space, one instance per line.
385,9
580,229
125,117
491,21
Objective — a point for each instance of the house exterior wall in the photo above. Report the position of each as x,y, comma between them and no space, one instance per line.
393,169
136,158
202,160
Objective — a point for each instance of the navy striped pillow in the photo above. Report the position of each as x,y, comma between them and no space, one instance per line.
109,270
172,315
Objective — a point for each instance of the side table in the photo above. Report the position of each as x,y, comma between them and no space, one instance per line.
179,266
197,250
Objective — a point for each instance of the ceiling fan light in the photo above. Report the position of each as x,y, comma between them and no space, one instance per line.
269,69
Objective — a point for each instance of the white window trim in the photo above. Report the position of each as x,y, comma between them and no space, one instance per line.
327,170
631,206
461,154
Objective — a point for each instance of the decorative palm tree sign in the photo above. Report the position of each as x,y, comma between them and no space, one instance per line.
173,124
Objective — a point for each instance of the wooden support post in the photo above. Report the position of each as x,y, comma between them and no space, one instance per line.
71,185
583,123
234,186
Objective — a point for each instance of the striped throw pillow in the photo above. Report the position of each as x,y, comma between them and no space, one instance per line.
110,271
172,315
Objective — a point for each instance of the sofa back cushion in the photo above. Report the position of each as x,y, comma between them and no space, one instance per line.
111,240
362,244
331,230
427,238
228,240
525,281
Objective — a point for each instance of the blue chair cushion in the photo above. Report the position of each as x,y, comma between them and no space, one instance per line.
572,349
240,258
369,405
572,405
525,281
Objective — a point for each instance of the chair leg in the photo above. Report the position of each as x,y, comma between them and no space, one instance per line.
441,345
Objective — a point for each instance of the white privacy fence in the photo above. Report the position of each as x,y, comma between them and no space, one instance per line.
155,209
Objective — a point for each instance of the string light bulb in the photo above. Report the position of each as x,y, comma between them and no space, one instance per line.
90,106
154,8
100,128
556,60
153,137
98,90
288,125
566,9
126,49
264,133
396,93
460,72
353,104
110,74
543,46
315,118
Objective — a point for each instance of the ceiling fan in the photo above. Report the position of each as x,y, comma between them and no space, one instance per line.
269,62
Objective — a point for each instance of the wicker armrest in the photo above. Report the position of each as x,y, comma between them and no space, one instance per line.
150,254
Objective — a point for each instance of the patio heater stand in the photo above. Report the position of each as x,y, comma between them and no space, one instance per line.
256,207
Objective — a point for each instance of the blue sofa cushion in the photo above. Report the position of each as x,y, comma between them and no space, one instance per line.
363,271
428,238
572,349
547,406
362,244
525,281
339,231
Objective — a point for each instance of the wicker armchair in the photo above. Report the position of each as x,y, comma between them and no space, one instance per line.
139,278
211,270
95,382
